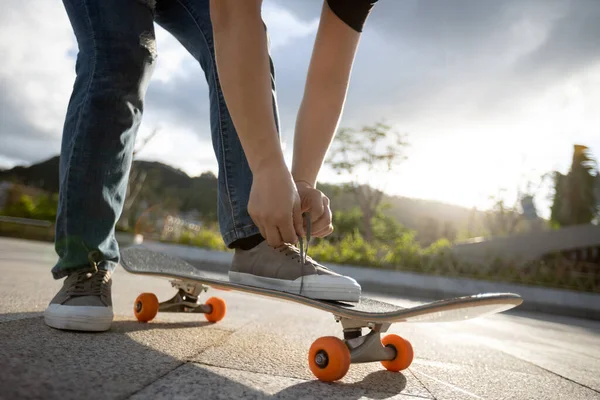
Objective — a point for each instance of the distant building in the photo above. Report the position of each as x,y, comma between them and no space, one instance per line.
529,211
173,227
192,217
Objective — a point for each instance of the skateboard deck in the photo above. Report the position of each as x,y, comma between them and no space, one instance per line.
139,260
329,357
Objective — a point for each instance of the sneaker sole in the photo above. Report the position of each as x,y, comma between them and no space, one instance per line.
78,318
321,287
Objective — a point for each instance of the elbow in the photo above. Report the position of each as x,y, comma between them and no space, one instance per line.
227,14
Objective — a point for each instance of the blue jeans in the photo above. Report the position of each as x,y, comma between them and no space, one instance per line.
116,56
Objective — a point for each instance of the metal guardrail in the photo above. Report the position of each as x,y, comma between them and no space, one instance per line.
26,221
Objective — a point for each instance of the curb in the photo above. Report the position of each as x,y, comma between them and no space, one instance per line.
539,299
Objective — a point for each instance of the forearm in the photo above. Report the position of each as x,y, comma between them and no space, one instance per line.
243,68
324,95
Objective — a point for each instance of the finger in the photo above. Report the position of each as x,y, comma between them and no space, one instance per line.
288,232
312,201
298,222
262,230
322,222
273,237
328,230
258,222
317,206
306,199
325,219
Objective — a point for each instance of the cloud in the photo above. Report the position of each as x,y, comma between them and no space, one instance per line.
286,26
420,58
36,75
450,73
416,59
572,43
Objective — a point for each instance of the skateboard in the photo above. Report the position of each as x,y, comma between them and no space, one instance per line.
329,357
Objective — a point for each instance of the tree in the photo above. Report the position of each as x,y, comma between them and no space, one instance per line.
510,216
137,178
371,151
575,194
430,230
349,223
503,219
346,224
557,214
386,229
597,196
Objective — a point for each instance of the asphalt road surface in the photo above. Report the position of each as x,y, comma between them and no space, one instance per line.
260,349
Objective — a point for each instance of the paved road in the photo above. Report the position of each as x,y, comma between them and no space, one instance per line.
260,349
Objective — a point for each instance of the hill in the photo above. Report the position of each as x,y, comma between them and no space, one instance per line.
175,190
43,175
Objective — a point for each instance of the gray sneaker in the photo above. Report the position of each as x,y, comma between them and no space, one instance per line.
281,269
83,303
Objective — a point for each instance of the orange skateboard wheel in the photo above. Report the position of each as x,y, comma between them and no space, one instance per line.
218,309
329,359
145,307
404,353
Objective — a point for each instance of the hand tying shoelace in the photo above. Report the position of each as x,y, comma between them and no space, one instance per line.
304,249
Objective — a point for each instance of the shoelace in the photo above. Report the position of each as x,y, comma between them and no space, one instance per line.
88,284
293,251
304,249
302,253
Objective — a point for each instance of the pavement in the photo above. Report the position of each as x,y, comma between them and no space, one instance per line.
260,349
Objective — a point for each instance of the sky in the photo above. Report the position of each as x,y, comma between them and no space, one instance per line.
490,94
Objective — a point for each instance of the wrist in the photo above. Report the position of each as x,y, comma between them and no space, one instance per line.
305,183
304,171
273,161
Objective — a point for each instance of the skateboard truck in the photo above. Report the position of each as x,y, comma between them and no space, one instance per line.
365,348
146,306
192,289
186,299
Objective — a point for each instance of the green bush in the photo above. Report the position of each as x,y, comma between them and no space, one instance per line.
401,251
205,238
42,207
352,249
23,208
405,253
210,240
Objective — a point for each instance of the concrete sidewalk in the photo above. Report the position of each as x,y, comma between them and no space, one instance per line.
259,350
536,298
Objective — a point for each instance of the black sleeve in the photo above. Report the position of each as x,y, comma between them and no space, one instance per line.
353,12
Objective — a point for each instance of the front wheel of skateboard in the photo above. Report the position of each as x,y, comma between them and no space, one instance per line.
329,359
218,309
404,353
145,307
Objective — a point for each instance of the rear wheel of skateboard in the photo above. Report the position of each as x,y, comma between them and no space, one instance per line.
404,353
218,309
145,307
329,359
